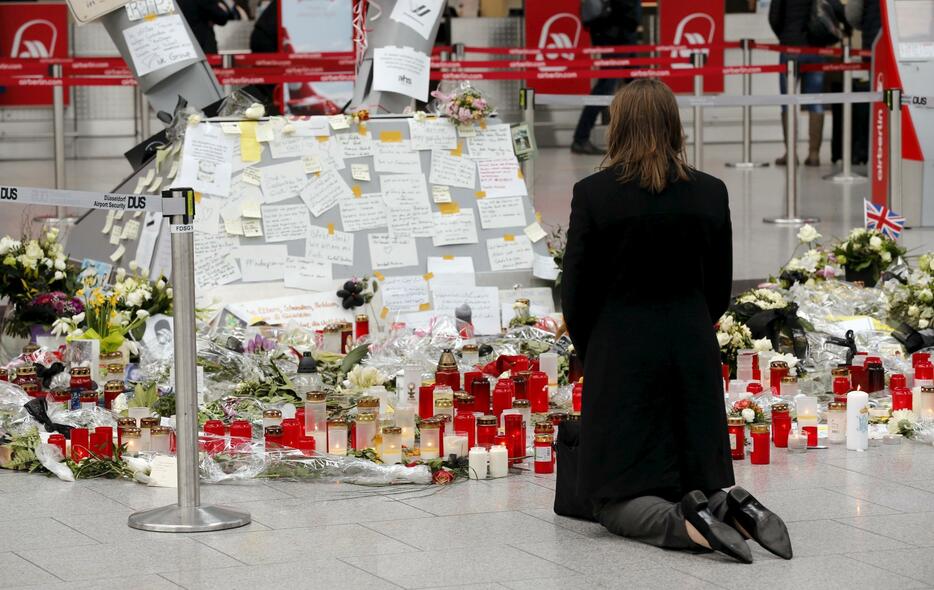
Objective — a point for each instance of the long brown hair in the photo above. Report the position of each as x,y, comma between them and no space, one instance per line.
646,141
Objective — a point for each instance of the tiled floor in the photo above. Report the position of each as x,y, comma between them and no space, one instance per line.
857,520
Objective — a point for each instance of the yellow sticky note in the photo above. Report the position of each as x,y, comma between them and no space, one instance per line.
390,136
250,150
424,307
459,151
384,313
330,229
481,194
357,191
428,276
509,238
379,276
447,257
449,208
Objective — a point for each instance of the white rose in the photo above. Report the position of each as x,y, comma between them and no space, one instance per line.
875,242
121,273
133,265
808,234
142,314
119,404
762,345
857,231
160,284
168,292
60,264
723,339
886,257
749,415
59,275
923,324
913,310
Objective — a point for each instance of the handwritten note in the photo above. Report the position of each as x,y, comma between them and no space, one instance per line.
316,126
396,157
500,213
493,142
323,246
325,191
452,170
330,152
388,251
432,134
406,293
307,274
206,221
457,228
401,69
514,254
360,172
213,264
483,302
282,223
356,145
286,146
544,267
440,193
501,178
406,196
367,212
283,181
311,311
158,43
261,263
452,270
207,153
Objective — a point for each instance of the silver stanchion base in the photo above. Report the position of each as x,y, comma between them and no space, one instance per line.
851,179
746,165
194,519
791,221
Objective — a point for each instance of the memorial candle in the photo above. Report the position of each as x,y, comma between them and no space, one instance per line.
444,407
548,364
365,431
901,399
521,383
777,371
466,422
405,419
538,392
875,375
430,440
836,421
806,407
811,433
781,424
797,442
455,443
241,433
478,463
89,399
841,386
544,455
761,450
292,430
470,354
486,430
160,440
503,395
577,396
368,404
131,438
499,461
112,389
857,421
337,437
515,438
391,449
272,417
469,378
426,401
737,429
927,403
145,426
58,440
274,438
307,445
463,402
316,416
481,393
897,380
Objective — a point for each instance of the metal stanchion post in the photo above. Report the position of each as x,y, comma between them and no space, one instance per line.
894,100
188,515
459,52
698,60
791,168
227,62
846,175
527,104
746,163
58,130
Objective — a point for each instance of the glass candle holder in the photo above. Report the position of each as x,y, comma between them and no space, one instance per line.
88,399
761,445
426,400
80,379
331,341
107,359
58,441
811,433
273,437
137,412
927,403
515,438
337,437
548,364
806,408
499,461
841,386
112,389
836,421
272,417
430,440
789,386
80,444
444,407
781,424
405,419
525,410
160,440
456,443
463,402
544,455
307,445
901,399
897,380
797,442
777,371
61,398
127,422
292,430
102,440
115,372
146,425
241,434
737,429
538,392
392,445
577,397
480,389
521,383
4,375
365,431
470,354
130,438
486,430
466,422
503,395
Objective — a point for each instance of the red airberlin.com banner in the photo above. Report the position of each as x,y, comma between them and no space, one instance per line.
32,30
694,22
556,25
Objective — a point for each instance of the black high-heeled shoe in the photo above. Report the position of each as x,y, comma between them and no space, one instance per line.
720,536
764,526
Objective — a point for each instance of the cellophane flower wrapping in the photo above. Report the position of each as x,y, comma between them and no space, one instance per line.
461,102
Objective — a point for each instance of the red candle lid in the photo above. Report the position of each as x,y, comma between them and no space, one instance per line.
924,370
873,359
754,388
920,356
897,380
841,385
901,391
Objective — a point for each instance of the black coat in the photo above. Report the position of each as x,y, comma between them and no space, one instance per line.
202,15
646,276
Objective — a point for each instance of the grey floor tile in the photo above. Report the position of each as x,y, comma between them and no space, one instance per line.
310,573
140,497
914,563
29,482
113,528
302,513
66,498
816,504
915,529
473,530
490,586
828,537
146,582
35,533
900,497
899,468
119,559
831,571
643,579
278,546
583,527
478,565
481,496
591,556
797,474
17,571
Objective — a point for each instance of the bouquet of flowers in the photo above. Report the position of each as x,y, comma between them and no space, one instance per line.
45,308
865,254
30,268
464,106
749,411
912,303
816,264
769,315
138,297
902,422
733,336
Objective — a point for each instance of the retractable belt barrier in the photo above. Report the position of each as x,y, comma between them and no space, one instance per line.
721,100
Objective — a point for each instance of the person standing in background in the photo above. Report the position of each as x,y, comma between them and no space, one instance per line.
202,15
617,24
865,16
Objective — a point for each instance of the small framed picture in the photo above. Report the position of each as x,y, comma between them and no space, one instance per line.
523,142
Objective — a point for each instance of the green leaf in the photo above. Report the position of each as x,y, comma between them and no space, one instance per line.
353,358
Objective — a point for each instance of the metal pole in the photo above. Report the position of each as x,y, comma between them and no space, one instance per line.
895,150
698,60
846,175
746,163
58,132
227,62
791,167
527,104
187,516
145,128
459,52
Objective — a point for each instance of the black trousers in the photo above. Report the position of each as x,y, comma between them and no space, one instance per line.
655,520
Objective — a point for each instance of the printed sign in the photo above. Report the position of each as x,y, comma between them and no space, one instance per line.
556,24
32,30
699,22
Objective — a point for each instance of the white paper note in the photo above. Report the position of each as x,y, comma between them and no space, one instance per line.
500,213
388,251
158,43
324,191
338,122
440,193
206,158
404,293
252,176
282,223
283,181
406,196
307,274
336,248
419,16
396,157
286,146
367,212
483,302
213,263
452,270
360,172
262,263
432,134
493,142
456,228
500,178
206,215
402,70
356,145
163,472
535,232
316,126
331,152
544,267
147,239
514,254
452,170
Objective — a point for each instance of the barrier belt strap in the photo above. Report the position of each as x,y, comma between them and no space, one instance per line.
721,101
90,200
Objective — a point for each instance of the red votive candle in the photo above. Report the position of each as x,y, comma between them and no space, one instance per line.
300,416
306,444
102,441
521,383
80,444
924,371
503,396
426,401
486,431
841,387
58,440
858,377
777,371
538,391
544,454
469,378
737,429
451,378
241,433
897,380
274,437
754,388
919,357
500,441
577,396
481,395
463,402
781,425
901,399
515,440
811,432
214,442
291,431
761,446
725,372
465,421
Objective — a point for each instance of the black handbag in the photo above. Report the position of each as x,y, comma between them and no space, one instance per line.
823,28
567,501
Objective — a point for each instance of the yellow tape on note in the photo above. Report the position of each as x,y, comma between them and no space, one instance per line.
379,276
480,194
449,208
390,136
428,276
447,257
459,151
250,150
424,307
357,191
384,313
330,229
509,238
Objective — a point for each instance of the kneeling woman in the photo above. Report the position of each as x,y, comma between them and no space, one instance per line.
647,272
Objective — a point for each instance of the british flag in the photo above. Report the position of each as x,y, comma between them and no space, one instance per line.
883,219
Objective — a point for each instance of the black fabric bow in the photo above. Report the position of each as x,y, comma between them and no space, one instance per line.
351,295
770,323
38,408
45,374
914,340
848,342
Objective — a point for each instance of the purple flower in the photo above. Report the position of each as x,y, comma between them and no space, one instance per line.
259,344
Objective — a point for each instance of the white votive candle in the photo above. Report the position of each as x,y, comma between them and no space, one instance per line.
478,463
857,421
499,461
548,364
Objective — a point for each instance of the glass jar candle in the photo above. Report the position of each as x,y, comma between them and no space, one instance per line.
521,384
102,441
797,442
806,410
146,425
548,364
503,395
836,421
160,440
781,424
426,400
737,429
450,377
443,392
361,326
761,446
538,392
4,374
444,407
365,431
486,430
481,393
80,444
499,461
857,376
478,463
430,440
31,389
306,444
841,386
337,437
272,417
107,359
577,396
392,445
292,430
241,433
544,454
897,380
455,443
515,437
525,409
26,375
112,389
88,399
466,422
130,438
80,379
777,372
469,378
811,433
274,437
126,422
927,403
115,372
875,375
213,442
61,398
331,339
463,402
316,417
789,386
368,404
470,354
58,441
901,398
405,419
